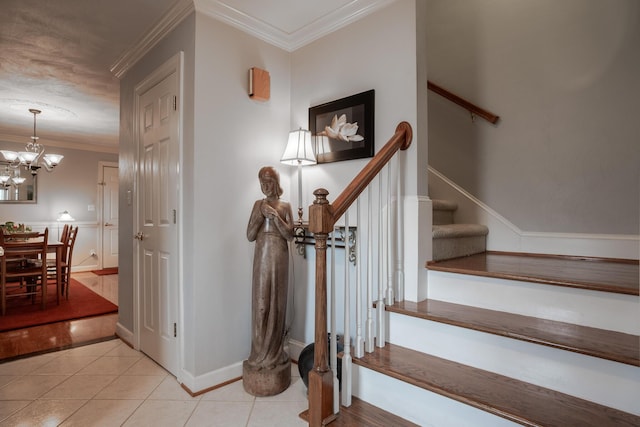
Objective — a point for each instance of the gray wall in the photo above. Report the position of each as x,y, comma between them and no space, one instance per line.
563,76
72,186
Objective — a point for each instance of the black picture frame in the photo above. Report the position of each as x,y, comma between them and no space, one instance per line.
331,146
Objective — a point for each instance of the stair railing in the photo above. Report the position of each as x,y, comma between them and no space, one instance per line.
323,216
472,108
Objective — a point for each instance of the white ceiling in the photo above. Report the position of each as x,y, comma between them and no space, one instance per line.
56,56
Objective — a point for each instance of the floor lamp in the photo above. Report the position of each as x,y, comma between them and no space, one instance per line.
299,152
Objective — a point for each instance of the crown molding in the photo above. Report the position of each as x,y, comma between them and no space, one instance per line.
217,9
341,17
178,12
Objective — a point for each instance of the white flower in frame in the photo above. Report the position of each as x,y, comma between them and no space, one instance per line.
341,130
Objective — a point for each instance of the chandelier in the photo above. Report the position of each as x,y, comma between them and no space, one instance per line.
32,159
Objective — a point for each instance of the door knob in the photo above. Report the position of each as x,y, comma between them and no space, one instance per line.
107,224
139,235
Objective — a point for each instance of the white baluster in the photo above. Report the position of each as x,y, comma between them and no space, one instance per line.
389,239
380,335
333,355
399,233
369,341
346,356
358,349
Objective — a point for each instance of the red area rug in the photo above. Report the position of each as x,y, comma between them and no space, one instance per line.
82,302
106,271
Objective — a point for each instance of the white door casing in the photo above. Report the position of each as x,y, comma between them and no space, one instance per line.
109,220
157,182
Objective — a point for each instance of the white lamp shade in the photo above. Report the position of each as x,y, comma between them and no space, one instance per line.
65,217
299,150
10,156
27,156
53,159
322,144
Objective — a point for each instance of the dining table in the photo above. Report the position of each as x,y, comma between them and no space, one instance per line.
17,240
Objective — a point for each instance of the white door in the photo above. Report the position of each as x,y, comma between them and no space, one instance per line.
109,216
157,230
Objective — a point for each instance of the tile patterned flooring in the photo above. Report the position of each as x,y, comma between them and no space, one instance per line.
110,384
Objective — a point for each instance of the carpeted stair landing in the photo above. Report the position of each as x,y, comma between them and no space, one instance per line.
451,240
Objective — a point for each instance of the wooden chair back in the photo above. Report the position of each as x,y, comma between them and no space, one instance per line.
67,260
64,235
23,266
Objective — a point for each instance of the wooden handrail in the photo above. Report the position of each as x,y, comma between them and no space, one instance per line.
474,109
401,140
322,218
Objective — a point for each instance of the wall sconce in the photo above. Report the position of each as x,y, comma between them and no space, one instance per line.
299,152
259,84
64,216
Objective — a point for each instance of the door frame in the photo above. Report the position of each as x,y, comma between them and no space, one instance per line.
173,65
100,207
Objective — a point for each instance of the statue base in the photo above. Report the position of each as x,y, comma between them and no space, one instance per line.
266,382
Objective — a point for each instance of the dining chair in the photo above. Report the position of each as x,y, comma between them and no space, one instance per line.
64,234
68,240
18,276
65,266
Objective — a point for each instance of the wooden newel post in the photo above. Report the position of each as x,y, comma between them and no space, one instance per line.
321,378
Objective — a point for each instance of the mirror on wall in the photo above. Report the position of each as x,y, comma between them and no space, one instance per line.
17,185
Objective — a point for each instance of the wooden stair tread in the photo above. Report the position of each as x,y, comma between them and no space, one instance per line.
605,344
506,397
361,413
606,275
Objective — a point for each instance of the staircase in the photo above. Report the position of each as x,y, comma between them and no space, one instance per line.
452,240
510,339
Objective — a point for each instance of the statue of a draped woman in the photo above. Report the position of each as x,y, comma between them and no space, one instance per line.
267,370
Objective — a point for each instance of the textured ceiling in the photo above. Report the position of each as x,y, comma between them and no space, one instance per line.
56,56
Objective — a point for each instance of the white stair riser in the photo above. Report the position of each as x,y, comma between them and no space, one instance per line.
417,405
609,383
564,304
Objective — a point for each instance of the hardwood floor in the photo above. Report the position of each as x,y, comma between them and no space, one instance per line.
62,335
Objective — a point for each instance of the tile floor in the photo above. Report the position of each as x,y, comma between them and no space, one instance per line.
110,384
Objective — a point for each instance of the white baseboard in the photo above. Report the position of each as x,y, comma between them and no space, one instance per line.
211,379
199,383
83,268
124,334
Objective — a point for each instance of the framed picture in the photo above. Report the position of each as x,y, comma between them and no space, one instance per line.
343,129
